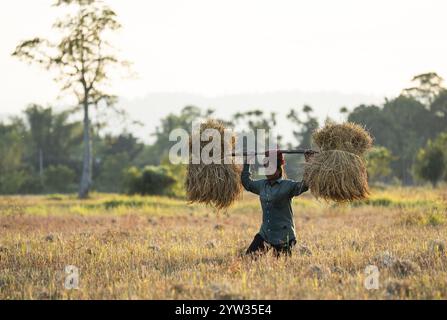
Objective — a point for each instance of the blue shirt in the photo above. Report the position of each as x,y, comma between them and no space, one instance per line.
278,227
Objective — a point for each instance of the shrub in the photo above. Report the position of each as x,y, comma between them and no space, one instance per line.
374,202
113,204
108,179
378,162
430,164
32,184
59,179
10,182
178,172
149,181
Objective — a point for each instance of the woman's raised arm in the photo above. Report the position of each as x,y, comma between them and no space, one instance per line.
250,185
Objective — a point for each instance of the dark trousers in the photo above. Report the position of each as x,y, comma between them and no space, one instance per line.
260,246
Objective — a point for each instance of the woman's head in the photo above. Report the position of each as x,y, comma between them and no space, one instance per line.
280,163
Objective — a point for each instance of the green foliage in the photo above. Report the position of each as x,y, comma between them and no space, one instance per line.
34,147
40,154
41,140
117,203
11,182
403,126
256,119
178,172
131,180
306,127
390,202
32,184
160,149
12,174
302,132
60,179
109,179
430,164
52,139
149,181
441,143
378,163
114,154
375,202
439,109
428,86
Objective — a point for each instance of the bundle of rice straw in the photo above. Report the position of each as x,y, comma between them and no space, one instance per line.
338,172
348,137
213,184
337,175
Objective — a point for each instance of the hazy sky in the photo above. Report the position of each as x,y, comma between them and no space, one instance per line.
216,48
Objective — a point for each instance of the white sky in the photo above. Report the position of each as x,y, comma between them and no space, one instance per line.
216,48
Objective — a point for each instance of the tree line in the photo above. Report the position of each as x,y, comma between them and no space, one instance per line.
42,150
409,123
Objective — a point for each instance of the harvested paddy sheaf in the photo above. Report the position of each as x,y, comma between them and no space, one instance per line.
215,184
338,172
338,176
349,137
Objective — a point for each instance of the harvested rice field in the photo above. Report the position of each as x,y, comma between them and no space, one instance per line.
161,248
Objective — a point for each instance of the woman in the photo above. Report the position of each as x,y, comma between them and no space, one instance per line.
276,193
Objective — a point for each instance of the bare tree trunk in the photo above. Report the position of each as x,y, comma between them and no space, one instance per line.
41,165
87,159
91,155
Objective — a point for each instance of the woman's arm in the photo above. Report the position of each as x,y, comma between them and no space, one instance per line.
250,185
298,188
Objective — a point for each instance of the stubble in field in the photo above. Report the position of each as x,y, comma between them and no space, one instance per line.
159,248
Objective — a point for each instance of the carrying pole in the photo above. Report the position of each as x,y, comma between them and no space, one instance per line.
298,151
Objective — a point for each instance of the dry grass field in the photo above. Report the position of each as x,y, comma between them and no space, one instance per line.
160,248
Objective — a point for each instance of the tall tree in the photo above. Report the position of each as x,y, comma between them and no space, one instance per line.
403,125
39,120
12,148
439,109
426,89
183,120
254,120
305,127
52,139
441,143
430,164
81,58
112,155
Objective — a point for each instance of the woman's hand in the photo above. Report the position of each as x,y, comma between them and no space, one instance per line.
249,158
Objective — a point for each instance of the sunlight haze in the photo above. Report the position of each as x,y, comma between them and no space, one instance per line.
219,49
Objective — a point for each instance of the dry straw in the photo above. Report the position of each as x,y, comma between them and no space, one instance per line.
348,137
338,172
217,185
338,176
